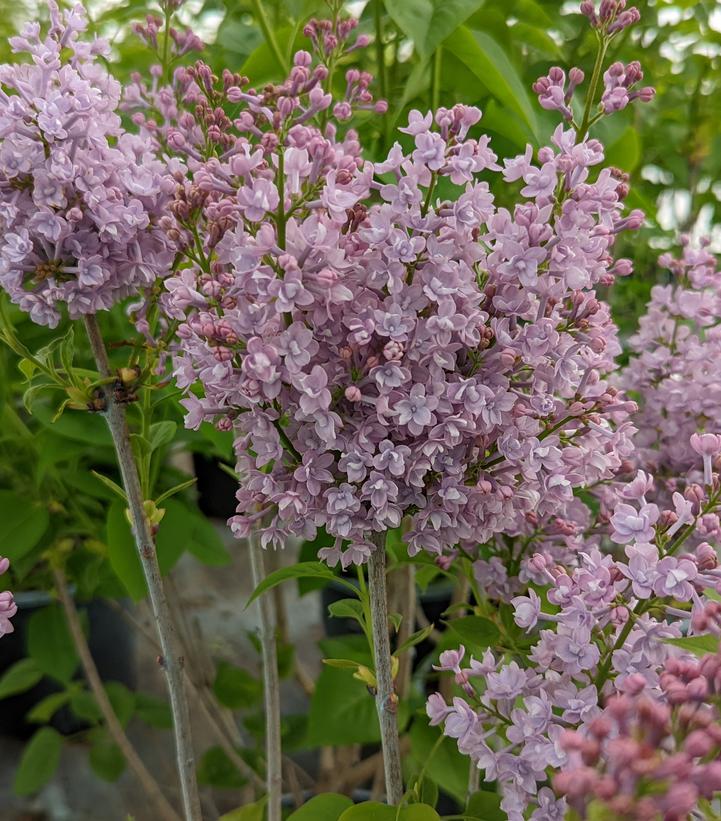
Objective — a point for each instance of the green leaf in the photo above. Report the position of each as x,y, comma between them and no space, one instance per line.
625,153
485,806
38,762
416,638
374,811
205,542
85,707
106,758
67,350
342,664
81,426
418,812
326,807
111,485
487,60
122,552
369,811
175,532
428,792
312,570
537,38
45,709
216,770
309,552
342,711
153,711
249,812
474,631
347,609
122,701
22,524
176,489
444,764
236,688
23,675
50,644
161,433
698,645
261,64
429,22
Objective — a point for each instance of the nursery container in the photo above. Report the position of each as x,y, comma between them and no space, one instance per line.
111,643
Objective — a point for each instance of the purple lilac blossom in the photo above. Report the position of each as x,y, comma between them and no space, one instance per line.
80,198
452,358
8,608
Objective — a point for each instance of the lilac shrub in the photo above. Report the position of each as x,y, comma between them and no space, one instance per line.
381,351
8,608
80,197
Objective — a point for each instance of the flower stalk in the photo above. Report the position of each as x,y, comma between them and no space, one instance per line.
386,698
172,661
271,686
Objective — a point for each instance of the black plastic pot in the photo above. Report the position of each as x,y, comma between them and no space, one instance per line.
434,602
111,644
216,488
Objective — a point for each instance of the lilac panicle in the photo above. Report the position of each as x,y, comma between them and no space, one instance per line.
8,608
80,198
673,369
650,755
382,352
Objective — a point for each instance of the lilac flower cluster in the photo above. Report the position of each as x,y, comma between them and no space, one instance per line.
674,367
596,627
640,758
381,351
8,608
181,41
79,197
618,80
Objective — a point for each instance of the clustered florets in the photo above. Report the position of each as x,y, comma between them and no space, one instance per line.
8,608
383,352
643,759
674,368
80,197
596,626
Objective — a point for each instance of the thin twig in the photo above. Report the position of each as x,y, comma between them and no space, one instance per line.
347,779
386,699
273,756
221,723
172,661
150,785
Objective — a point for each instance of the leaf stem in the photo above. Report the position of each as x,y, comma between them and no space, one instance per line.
172,661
